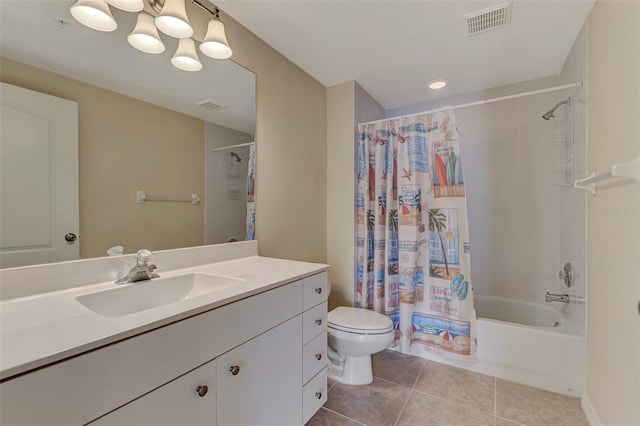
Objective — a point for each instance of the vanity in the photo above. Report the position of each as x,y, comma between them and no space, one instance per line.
223,337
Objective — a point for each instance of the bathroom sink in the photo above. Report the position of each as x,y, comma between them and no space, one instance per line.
143,295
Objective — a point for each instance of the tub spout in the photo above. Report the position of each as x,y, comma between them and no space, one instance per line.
550,297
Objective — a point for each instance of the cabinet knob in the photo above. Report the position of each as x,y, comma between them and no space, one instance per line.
202,390
234,370
318,321
318,357
318,395
319,290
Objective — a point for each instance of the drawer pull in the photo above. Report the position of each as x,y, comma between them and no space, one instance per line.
318,321
318,395
234,370
318,357
319,290
202,390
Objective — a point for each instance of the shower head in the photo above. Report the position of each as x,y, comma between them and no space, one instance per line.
236,156
549,114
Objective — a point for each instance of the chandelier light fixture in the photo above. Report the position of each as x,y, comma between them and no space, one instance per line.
173,20
170,18
145,37
215,44
186,57
94,14
127,5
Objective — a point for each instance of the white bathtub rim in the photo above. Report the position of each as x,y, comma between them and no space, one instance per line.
566,326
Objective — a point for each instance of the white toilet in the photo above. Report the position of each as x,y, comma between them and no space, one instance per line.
354,335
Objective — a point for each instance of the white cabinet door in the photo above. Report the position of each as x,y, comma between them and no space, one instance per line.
38,178
188,400
259,382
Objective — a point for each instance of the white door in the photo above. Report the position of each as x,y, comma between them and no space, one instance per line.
260,382
38,178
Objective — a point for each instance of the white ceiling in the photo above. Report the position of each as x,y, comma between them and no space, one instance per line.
30,33
393,48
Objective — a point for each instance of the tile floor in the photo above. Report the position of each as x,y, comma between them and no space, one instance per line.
410,391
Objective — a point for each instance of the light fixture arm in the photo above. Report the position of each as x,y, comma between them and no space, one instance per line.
215,13
157,5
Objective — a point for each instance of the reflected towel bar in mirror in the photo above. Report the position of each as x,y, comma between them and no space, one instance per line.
141,198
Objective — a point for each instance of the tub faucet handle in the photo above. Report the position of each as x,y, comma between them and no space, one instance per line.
567,274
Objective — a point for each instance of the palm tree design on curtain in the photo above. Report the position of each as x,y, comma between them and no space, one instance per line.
393,220
438,222
393,242
371,223
381,205
403,206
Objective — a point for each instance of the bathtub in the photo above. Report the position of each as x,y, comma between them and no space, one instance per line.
525,342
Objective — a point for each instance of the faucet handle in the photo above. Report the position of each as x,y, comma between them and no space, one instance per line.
143,257
150,271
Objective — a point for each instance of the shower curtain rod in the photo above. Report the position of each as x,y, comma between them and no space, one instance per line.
485,101
232,146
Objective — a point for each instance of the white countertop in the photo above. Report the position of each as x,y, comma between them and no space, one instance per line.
44,328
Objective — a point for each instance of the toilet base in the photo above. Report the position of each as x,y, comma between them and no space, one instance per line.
355,370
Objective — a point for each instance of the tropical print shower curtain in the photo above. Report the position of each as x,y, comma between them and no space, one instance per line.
413,255
251,186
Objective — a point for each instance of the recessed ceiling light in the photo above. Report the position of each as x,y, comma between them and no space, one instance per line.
437,84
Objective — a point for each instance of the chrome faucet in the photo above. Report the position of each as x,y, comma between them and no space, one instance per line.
142,271
550,297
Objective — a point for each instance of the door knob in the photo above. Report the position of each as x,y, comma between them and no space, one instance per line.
234,370
319,290
70,237
318,357
202,390
318,395
318,322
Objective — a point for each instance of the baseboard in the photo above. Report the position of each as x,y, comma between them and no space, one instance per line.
589,411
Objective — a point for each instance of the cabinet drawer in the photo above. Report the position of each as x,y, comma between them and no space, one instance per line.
314,322
314,357
314,395
315,290
187,400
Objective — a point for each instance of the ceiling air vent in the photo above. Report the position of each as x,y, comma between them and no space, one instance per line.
488,19
209,105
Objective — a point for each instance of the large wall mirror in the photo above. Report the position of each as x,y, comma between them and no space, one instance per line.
142,125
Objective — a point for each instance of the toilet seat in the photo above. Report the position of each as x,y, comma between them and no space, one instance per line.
359,321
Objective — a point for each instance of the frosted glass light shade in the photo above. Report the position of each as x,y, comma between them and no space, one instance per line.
127,5
145,37
94,14
186,57
215,44
173,20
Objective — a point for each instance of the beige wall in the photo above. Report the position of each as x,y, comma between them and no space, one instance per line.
347,105
291,171
340,190
613,226
127,145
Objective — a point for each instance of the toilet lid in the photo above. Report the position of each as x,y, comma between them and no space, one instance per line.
345,318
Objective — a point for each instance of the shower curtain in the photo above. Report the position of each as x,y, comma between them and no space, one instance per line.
251,204
413,254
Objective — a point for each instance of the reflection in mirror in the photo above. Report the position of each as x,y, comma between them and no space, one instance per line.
142,125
